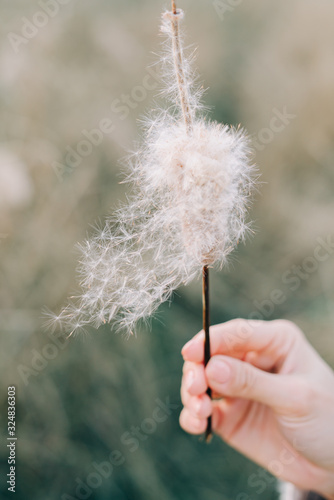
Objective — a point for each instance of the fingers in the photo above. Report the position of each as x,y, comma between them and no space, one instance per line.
238,379
226,417
193,380
192,424
196,423
193,417
197,404
269,341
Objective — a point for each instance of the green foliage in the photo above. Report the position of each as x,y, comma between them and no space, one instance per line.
73,410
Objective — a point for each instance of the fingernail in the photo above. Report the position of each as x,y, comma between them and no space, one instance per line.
219,371
189,379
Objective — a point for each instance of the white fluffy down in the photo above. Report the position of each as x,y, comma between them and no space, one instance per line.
187,209
205,178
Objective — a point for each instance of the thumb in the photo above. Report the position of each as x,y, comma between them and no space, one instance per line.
239,379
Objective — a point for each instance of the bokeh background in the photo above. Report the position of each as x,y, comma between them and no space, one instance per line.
260,59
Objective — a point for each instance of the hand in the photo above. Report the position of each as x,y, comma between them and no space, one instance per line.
277,403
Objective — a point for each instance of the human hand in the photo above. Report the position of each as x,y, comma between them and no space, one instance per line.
278,399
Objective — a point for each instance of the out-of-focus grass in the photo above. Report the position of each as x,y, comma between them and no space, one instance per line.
261,57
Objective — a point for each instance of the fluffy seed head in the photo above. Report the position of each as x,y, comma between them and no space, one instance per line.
205,179
191,181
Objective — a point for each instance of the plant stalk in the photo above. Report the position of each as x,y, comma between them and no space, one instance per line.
206,328
188,120
179,70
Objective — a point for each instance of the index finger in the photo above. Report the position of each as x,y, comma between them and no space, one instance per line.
238,337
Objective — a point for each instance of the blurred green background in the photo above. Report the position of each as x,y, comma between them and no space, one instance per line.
267,65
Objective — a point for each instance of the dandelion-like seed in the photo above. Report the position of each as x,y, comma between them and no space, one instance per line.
192,180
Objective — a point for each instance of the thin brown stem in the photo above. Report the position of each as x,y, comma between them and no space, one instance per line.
179,70
188,120
206,328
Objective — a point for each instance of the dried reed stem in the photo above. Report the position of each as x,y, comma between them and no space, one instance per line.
187,115
179,70
206,328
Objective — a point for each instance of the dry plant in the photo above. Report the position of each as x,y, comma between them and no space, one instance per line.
192,180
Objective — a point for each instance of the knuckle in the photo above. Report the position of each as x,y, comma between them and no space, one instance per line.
245,381
184,395
191,424
186,366
237,331
245,328
290,328
238,324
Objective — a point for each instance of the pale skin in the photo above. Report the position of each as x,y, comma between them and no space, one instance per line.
276,399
